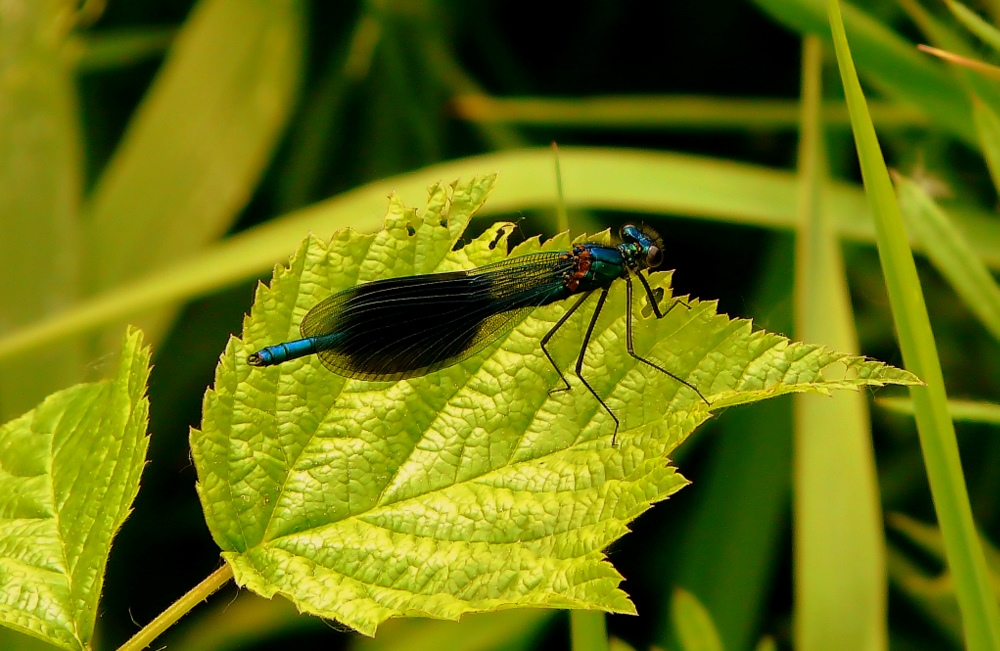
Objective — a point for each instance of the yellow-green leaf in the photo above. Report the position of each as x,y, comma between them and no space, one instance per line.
474,488
69,471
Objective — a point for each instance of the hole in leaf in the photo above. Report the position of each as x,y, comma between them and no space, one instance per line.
496,240
839,372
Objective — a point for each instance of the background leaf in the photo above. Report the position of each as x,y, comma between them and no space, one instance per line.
69,471
695,629
41,176
840,578
950,252
889,61
198,142
980,614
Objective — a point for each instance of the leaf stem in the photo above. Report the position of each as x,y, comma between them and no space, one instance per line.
178,609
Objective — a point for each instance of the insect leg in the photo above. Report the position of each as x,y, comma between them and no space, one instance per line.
583,352
628,333
552,333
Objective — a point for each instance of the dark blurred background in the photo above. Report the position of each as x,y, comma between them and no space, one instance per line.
397,114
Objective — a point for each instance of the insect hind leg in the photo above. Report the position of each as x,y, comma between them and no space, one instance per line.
551,333
579,362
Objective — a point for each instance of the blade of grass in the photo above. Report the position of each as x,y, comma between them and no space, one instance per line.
314,133
728,553
510,630
107,50
197,144
440,60
984,69
598,178
988,128
983,30
766,643
888,60
675,112
930,595
839,548
40,180
932,591
993,9
928,538
695,629
968,411
622,180
562,219
978,79
588,631
243,621
733,542
950,253
980,614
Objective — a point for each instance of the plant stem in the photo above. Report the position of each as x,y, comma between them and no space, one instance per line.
178,609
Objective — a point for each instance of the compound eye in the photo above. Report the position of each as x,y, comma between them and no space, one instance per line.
654,257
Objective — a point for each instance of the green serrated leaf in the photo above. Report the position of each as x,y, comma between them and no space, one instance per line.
473,488
69,471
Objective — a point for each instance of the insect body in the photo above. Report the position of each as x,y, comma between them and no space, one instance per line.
400,328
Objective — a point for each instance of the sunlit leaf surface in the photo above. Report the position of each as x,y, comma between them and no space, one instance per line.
69,471
473,488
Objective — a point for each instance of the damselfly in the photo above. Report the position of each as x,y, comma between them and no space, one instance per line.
401,328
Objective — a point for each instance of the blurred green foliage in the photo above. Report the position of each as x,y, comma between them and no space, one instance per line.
157,157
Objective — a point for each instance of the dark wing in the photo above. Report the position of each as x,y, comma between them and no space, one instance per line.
407,327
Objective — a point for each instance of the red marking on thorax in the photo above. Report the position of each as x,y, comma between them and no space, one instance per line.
583,259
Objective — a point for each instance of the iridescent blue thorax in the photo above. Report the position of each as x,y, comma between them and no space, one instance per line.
597,266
